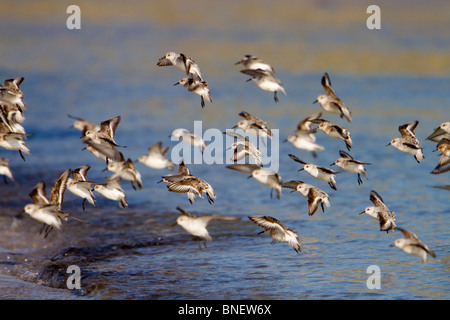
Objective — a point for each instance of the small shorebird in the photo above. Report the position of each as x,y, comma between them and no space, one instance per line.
348,163
84,125
126,170
304,138
48,211
183,63
380,212
278,231
244,148
318,172
103,140
331,102
265,80
189,137
196,226
335,131
183,171
444,162
5,170
408,142
156,157
80,186
264,176
198,87
12,94
443,131
254,125
254,63
14,141
314,195
411,244
113,191
191,185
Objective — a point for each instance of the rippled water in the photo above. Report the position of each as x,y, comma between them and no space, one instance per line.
108,68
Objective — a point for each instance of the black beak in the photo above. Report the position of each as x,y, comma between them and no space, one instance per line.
301,169
176,84
388,144
361,213
315,101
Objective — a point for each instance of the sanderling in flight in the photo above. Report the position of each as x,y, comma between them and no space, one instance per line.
14,141
335,131
331,102
444,162
48,211
254,125
126,170
5,170
380,212
408,142
156,157
183,63
196,226
254,63
443,131
315,196
113,190
244,148
10,117
12,94
348,163
84,125
198,87
191,185
411,244
264,176
304,138
266,81
278,231
182,172
103,140
189,137
80,186
318,172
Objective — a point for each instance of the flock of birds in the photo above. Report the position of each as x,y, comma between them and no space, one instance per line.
100,141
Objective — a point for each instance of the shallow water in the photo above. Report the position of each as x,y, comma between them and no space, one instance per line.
108,68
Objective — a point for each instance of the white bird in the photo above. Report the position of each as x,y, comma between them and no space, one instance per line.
126,170
113,191
305,138
254,126
254,63
318,172
335,131
348,163
331,102
408,142
183,63
5,170
48,211
278,231
198,87
189,137
156,157
14,141
265,80
380,212
264,176
80,186
196,226
443,131
411,244
244,148
315,196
